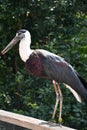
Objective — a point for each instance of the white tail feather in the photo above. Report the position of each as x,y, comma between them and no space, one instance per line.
76,95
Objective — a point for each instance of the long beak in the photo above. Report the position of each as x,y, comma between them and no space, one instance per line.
10,45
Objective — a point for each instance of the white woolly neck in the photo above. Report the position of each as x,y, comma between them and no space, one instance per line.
24,47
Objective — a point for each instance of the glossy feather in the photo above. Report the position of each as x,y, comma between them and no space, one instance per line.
46,64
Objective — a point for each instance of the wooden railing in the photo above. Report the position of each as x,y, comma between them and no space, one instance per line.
29,122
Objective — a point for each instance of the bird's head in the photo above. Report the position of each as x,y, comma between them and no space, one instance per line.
20,35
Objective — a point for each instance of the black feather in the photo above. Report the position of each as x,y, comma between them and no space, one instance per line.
85,86
82,81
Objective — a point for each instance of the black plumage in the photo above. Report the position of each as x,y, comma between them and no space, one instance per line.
48,65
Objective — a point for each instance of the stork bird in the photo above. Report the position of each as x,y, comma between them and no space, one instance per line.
45,64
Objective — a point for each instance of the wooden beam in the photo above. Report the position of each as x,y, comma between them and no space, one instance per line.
28,122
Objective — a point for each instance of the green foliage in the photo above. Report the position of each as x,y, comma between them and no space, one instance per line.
57,26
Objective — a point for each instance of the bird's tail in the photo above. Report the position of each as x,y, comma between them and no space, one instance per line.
84,83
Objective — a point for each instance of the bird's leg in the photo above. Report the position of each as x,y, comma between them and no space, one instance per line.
61,102
57,99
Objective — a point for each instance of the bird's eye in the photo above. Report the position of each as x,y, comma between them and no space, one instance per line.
19,33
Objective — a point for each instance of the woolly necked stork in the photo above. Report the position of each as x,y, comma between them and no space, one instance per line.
45,64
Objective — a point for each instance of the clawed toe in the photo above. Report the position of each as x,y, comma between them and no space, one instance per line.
53,123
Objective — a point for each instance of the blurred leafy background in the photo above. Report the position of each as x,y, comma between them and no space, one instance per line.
59,26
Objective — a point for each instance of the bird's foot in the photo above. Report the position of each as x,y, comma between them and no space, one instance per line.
52,122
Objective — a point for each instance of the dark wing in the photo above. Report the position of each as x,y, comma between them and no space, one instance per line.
56,68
